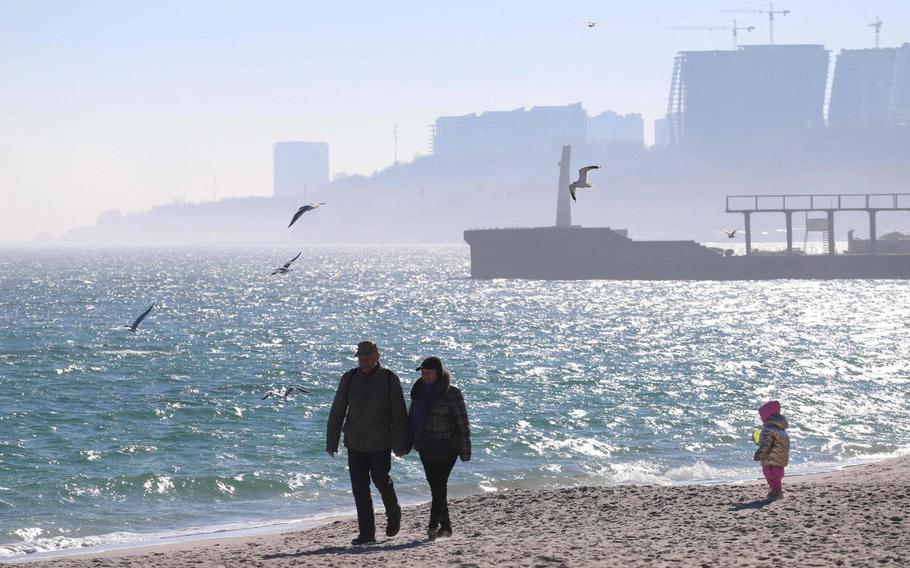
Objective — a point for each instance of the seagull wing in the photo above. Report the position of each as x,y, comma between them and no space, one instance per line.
267,395
288,263
572,187
304,209
290,390
141,317
297,215
583,174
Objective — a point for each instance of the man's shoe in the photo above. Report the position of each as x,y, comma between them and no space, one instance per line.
444,532
431,533
775,495
393,525
363,539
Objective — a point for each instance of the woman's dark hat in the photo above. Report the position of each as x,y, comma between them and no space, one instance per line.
431,363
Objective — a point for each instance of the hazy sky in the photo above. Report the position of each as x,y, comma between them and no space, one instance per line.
124,105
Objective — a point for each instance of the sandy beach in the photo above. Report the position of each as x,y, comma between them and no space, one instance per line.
857,516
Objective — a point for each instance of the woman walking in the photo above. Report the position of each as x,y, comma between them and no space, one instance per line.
441,434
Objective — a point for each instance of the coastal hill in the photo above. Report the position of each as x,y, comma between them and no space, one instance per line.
661,192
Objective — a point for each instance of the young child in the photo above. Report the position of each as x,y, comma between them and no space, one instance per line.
773,447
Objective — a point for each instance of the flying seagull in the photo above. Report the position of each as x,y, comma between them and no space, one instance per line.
141,317
287,266
731,233
586,22
287,392
582,180
302,210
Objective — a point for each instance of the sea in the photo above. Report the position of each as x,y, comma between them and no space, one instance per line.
114,438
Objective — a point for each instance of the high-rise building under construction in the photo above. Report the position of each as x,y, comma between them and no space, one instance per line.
900,96
753,92
871,88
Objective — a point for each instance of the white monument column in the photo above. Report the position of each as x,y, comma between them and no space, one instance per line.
563,199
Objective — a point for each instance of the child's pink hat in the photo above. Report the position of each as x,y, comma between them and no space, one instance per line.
769,409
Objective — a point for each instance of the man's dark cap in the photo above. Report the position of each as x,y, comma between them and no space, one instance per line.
367,348
431,363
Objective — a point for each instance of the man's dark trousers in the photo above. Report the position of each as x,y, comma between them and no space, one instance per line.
376,465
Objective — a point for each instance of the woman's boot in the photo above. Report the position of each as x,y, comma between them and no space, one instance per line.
432,528
445,526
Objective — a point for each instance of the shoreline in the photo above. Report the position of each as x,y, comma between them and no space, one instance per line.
192,534
581,524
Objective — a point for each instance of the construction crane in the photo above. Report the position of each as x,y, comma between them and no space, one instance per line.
734,28
771,13
877,24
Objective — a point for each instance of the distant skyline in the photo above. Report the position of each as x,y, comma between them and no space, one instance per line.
119,105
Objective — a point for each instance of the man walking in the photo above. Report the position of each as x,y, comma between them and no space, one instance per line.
370,405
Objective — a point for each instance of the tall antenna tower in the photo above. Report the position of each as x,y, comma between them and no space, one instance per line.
771,13
877,24
395,132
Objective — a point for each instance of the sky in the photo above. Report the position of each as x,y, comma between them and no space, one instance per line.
113,104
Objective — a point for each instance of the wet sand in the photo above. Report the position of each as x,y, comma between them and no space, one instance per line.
858,516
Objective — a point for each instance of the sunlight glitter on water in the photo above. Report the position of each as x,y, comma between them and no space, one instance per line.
566,382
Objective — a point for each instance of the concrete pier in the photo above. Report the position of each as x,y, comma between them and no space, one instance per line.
830,204
789,215
872,233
